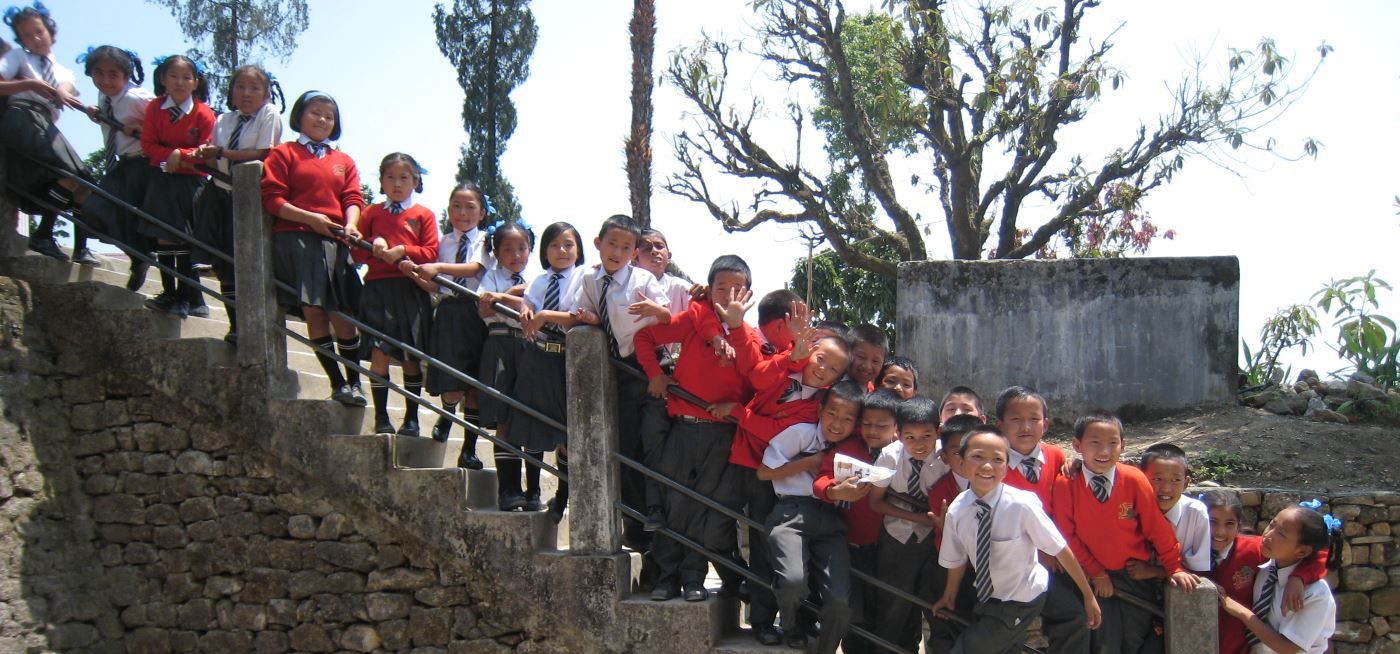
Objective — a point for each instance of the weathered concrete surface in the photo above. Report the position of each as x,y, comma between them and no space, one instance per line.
1142,337
1191,623
592,422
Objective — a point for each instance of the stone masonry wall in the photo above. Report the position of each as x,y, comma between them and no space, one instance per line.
127,525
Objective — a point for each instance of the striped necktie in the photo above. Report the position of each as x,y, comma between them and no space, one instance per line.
1031,469
603,319
1264,606
916,487
46,71
982,582
516,279
238,130
110,143
551,294
175,113
1100,486
317,148
792,392
395,208
1214,559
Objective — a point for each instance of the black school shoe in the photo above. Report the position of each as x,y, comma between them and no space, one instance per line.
410,428
656,519
84,257
532,502
795,640
47,247
665,590
170,304
695,591
383,426
357,396
510,501
441,430
557,504
768,635
468,460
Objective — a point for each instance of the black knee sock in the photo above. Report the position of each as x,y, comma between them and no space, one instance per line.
380,393
532,475
350,349
450,408
507,473
80,238
328,364
45,228
414,385
231,307
185,266
166,258
562,462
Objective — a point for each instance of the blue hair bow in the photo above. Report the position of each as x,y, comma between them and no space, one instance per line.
1333,523
491,231
1314,504
158,61
82,58
523,225
13,12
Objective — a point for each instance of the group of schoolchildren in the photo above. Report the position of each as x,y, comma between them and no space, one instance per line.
989,523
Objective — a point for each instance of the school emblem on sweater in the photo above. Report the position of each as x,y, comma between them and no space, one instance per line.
1126,512
1243,578
192,135
412,224
339,170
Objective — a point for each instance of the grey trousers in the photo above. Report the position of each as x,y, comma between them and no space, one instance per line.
805,534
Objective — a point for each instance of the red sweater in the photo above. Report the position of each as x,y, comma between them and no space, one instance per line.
292,175
1049,471
764,417
698,370
1235,575
160,137
1129,525
944,490
862,522
415,229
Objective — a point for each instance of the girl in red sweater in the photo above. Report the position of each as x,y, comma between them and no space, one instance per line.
312,188
394,301
177,122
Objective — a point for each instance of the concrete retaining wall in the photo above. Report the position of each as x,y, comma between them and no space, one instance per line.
1142,337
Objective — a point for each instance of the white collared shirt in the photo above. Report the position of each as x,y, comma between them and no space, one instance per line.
262,131
1038,454
129,108
789,445
805,392
476,253
1191,521
19,63
497,280
1309,627
629,283
894,457
1088,476
186,106
677,293
1020,529
568,289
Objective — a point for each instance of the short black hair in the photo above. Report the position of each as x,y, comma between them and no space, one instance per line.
126,60
1164,452
201,87
883,400
962,390
956,426
776,305
845,390
1097,417
868,333
552,232
1219,497
896,361
299,108
730,263
834,326
977,431
622,222
494,239
1019,393
837,341
916,411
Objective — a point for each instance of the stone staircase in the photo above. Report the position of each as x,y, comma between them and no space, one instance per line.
587,601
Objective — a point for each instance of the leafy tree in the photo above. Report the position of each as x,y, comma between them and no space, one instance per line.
490,43
233,33
638,146
983,101
848,294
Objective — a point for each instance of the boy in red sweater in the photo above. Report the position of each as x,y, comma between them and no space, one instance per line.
1109,515
696,451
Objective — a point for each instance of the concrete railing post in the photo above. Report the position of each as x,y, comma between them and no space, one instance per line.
1191,624
592,421
259,342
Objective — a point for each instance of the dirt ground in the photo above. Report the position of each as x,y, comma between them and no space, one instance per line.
1275,451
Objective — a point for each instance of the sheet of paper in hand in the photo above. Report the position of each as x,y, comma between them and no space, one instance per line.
846,466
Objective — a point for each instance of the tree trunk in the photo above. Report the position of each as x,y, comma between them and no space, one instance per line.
493,65
638,145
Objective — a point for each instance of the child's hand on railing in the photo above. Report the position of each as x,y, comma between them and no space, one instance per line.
1184,580
173,161
587,317
721,410
656,386
428,271
321,224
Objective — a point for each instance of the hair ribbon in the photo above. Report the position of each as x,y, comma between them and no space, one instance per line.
1334,524
1314,504
82,58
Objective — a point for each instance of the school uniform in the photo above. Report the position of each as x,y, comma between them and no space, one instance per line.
862,534
907,552
1008,579
943,633
1190,522
318,269
1235,571
128,170
608,296
696,450
1063,616
391,302
213,210
1309,627
501,350
28,130
805,532
458,330
170,193
1044,464
1126,524
543,388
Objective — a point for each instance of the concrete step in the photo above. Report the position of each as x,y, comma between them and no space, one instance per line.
743,642
697,624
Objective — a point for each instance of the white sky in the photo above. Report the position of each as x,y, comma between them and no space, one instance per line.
1294,226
